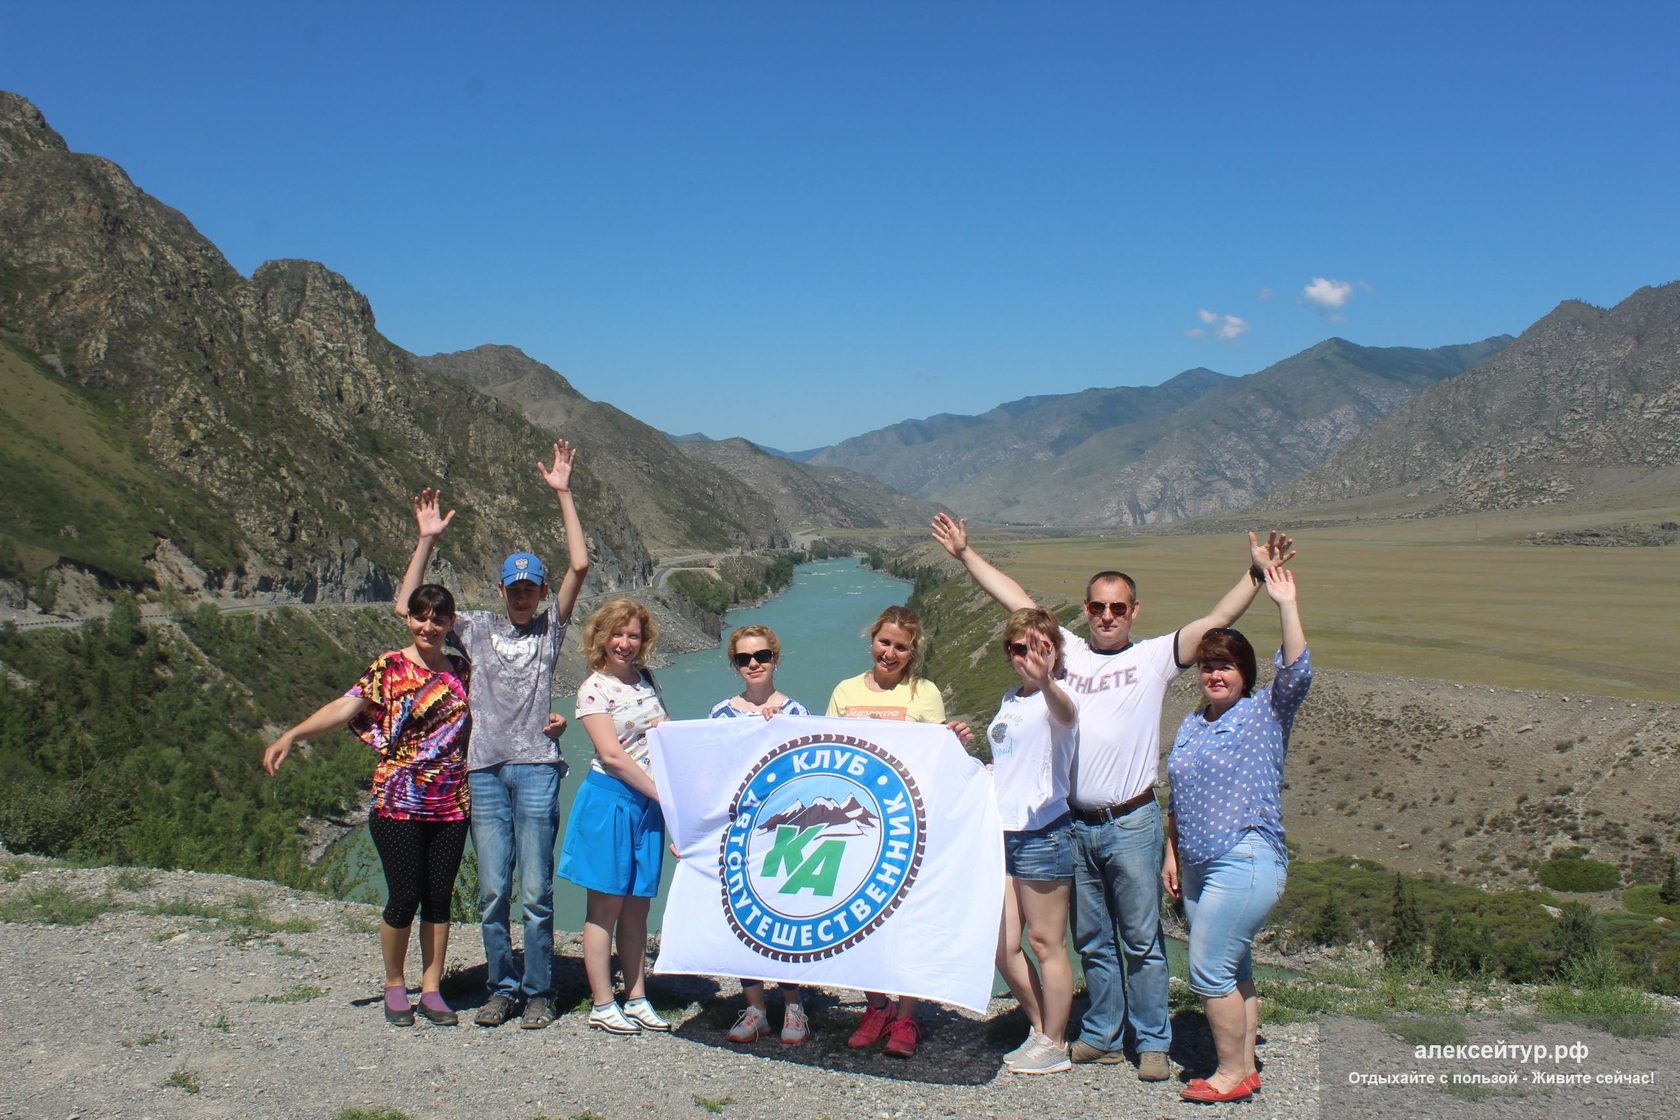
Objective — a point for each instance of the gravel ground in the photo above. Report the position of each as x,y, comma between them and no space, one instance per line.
247,999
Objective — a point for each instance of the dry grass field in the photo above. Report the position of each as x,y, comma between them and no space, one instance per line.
1481,698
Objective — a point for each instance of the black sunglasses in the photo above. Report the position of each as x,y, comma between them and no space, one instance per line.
762,656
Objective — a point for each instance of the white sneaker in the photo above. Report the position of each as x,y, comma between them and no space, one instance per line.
751,1026
1020,1051
796,1028
611,1018
642,1012
1042,1056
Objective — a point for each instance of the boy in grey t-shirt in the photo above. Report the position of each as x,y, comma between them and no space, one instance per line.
514,764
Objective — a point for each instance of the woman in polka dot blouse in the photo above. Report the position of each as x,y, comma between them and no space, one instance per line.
1225,854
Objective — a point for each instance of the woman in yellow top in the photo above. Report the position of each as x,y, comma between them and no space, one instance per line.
892,689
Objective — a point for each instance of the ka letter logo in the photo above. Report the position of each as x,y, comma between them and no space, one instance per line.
826,835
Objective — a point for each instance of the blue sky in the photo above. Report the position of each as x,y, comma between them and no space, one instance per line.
797,222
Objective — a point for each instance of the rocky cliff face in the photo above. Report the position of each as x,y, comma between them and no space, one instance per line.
252,436
1585,403
806,496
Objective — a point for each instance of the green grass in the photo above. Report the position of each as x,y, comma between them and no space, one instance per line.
1613,1009
150,1038
134,879
714,1105
220,1023
1428,1031
184,1079
1647,899
54,905
242,919
297,993
11,870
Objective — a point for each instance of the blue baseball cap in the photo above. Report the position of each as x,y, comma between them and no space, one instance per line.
522,566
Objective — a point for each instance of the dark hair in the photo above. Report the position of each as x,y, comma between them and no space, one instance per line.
1105,577
1225,644
431,600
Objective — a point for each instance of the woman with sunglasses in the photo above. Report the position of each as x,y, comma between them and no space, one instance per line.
755,652
1225,855
1033,737
892,689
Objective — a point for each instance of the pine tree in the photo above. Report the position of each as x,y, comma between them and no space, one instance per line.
1408,935
1669,892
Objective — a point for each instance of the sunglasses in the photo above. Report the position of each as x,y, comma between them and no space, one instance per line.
1097,610
762,656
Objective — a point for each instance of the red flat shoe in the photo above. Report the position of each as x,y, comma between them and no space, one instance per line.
1200,1092
1253,1081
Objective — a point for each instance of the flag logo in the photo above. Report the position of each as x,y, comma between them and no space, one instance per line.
826,835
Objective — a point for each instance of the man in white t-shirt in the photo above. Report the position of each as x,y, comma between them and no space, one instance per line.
1118,686
514,765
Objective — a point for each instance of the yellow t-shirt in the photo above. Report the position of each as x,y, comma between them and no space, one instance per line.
854,699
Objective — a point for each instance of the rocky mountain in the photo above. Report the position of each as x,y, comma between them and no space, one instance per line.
173,423
810,496
1191,446
1584,403
675,502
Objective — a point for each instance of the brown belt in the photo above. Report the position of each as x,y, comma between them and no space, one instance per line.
1111,812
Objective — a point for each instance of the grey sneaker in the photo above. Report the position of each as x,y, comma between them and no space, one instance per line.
1083,1052
642,1012
539,1013
1153,1066
1015,1055
1042,1056
497,1010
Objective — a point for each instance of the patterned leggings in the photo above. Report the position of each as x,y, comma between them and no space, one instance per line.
420,859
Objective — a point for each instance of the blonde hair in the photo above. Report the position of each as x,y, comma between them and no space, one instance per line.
911,623
609,617
1033,620
753,631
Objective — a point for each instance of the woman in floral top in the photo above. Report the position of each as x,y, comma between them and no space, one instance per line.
410,706
1225,850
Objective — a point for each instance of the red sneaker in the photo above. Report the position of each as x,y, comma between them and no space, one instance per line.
872,1028
902,1037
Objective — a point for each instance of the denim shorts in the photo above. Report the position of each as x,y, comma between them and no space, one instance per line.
1226,901
1041,854
615,839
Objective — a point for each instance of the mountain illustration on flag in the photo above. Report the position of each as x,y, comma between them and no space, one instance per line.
822,811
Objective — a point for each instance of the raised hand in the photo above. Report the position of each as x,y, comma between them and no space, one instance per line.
952,535
1039,661
1275,551
432,523
1280,584
559,476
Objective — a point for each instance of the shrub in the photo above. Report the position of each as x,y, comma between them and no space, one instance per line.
1407,935
1574,872
1463,947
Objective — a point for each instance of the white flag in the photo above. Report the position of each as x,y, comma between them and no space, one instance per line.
833,852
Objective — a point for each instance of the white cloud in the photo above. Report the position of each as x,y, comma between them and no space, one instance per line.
1226,328
1264,295
1328,295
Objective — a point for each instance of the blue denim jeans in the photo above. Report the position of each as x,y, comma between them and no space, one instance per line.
516,815
1226,901
1117,911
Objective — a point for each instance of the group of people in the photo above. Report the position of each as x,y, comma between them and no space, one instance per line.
1074,749
1076,753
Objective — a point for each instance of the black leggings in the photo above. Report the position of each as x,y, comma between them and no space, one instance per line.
420,858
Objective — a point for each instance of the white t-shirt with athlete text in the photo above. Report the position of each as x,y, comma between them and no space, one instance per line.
1119,696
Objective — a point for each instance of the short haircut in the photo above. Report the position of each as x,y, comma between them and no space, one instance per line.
609,617
1107,577
431,600
1033,620
754,631
1225,644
